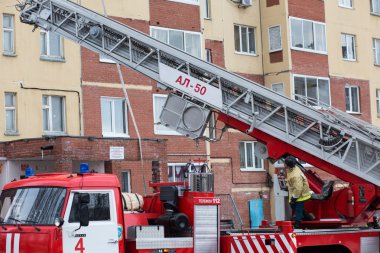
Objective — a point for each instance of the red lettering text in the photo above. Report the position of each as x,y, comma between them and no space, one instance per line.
79,247
179,80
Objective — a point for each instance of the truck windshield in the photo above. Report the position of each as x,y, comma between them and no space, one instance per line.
31,206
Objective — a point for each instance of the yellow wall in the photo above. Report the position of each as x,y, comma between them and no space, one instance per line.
224,14
27,68
284,78
273,16
365,27
134,9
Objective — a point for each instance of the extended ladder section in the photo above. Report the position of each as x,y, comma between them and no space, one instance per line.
330,135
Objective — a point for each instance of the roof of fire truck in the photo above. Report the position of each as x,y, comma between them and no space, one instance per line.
66,180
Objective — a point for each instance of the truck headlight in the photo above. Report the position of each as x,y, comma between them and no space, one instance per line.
58,222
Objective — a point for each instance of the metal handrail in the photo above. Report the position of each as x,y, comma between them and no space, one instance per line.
236,217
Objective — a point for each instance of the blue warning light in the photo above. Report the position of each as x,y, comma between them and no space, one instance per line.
29,172
84,168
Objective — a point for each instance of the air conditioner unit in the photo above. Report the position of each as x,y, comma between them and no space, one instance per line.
245,3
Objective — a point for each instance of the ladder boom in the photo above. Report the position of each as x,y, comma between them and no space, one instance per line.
327,134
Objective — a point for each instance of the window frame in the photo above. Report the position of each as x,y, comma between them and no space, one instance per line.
316,77
173,164
246,168
129,180
340,4
192,2
156,131
10,30
206,9
378,102
104,59
372,9
113,213
350,88
208,53
12,108
240,40
113,117
48,55
269,39
314,37
280,163
354,47
376,51
50,114
151,28
283,86
212,127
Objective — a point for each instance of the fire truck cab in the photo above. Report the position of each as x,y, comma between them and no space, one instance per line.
85,213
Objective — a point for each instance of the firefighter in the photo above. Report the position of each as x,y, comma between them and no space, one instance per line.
298,189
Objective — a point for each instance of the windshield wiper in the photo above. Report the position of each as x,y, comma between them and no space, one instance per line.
17,220
34,224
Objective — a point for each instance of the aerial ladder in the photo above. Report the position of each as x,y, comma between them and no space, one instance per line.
321,136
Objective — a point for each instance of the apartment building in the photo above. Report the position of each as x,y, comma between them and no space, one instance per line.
42,110
324,53
64,105
329,52
39,99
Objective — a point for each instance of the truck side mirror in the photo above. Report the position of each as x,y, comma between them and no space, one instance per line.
84,198
84,218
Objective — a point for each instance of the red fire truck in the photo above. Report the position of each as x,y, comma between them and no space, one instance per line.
85,212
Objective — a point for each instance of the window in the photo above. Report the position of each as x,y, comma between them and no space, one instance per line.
31,206
51,45
376,51
105,59
352,99
8,34
53,108
248,160
308,35
114,117
275,43
280,163
378,102
158,104
345,3
278,87
315,89
195,2
212,127
126,181
208,55
177,171
190,42
10,112
375,6
245,40
206,9
348,47
98,207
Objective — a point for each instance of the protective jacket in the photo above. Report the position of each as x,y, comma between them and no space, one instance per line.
298,186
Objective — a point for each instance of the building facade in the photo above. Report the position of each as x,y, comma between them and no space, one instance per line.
56,94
